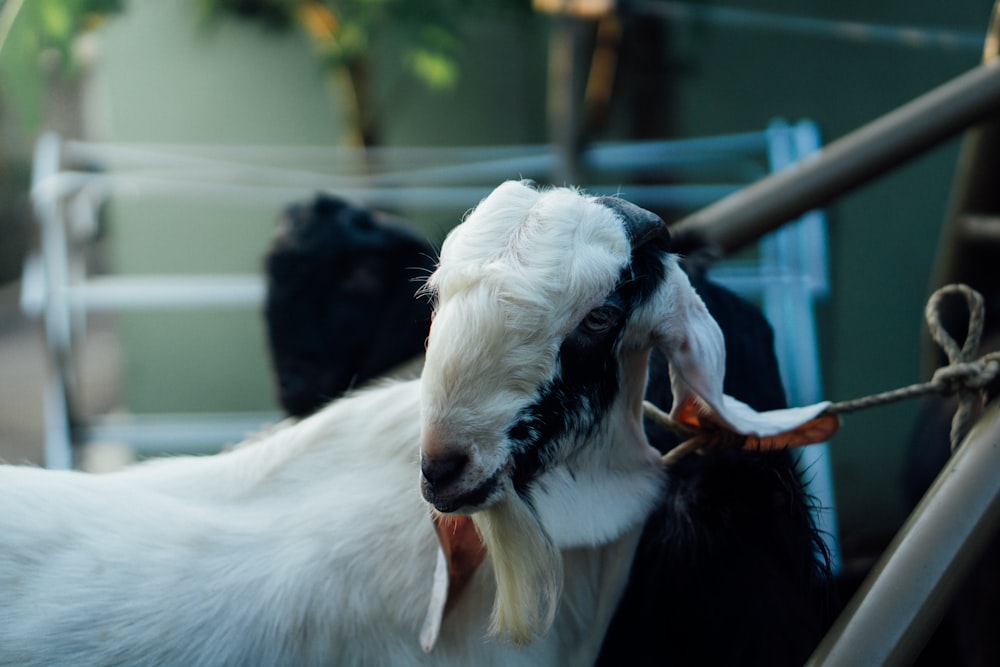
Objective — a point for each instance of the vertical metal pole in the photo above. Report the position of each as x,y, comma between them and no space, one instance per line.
567,79
899,605
961,256
788,303
58,323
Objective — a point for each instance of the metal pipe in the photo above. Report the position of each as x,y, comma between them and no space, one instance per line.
60,374
902,600
117,293
848,162
455,198
806,26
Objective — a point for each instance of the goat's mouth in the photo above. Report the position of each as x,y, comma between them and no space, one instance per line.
465,501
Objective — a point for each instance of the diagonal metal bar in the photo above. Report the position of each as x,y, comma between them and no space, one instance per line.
889,619
852,160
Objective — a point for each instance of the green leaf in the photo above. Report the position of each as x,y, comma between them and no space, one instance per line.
436,70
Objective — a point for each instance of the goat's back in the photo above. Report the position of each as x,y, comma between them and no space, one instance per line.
284,551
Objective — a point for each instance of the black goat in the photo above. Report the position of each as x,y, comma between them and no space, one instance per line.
340,307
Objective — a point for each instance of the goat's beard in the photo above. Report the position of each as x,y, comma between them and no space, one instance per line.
527,565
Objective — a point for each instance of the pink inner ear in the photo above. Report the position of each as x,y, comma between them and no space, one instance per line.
463,550
688,413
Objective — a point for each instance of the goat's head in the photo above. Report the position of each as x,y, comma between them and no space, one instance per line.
547,305
340,307
538,294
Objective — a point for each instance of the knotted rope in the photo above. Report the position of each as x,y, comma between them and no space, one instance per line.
963,375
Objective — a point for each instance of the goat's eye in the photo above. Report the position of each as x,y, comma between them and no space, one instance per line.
601,319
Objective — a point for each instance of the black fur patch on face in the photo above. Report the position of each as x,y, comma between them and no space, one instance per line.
575,402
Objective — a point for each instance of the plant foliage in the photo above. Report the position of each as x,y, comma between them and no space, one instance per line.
38,40
344,30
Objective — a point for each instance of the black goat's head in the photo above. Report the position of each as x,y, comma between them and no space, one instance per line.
340,303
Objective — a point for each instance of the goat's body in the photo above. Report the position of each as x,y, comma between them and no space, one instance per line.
256,557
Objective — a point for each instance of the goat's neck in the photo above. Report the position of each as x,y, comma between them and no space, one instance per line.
595,580
612,481
588,508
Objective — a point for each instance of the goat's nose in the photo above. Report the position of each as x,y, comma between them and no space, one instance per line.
441,470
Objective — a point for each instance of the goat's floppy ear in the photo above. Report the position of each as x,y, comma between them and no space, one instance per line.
694,345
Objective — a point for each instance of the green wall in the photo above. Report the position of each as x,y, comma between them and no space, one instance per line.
165,77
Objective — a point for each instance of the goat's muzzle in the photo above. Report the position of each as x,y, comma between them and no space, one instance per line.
444,482
441,471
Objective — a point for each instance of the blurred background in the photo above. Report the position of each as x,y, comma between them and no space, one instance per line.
285,97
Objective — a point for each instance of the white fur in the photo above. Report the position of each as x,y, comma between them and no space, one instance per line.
313,545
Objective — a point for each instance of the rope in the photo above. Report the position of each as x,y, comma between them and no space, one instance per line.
962,376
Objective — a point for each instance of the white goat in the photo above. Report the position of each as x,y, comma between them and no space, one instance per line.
314,546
